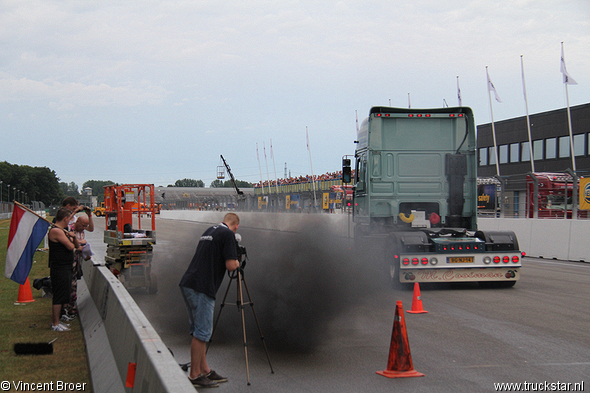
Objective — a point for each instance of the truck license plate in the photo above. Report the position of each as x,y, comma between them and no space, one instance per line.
459,259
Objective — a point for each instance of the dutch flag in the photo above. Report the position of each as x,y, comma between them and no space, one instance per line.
26,232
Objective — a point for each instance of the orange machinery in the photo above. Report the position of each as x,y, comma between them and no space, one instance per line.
129,236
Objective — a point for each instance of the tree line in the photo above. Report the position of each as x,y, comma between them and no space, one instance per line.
25,184
217,183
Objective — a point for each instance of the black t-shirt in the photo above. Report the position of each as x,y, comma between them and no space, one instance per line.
207,268
60,257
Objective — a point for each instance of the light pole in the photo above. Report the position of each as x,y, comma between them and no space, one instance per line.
0,191
8,192
14,193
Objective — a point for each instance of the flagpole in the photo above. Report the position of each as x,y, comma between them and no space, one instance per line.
311,164
569,123
31,211
274,166
260,169
493,128
528,120
267,172
567,80
459,92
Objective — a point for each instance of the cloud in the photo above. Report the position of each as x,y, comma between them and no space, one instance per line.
69,95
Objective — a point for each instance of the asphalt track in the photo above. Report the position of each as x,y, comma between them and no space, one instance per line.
327,317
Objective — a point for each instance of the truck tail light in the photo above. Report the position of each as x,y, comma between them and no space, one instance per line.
515,259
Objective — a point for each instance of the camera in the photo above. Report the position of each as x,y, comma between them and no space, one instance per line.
241,251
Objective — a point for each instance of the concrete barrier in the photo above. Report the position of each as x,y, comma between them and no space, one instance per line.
544,238
338,223
117,334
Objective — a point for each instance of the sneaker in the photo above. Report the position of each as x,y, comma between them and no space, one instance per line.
67,318
64,324
203,382
59,328
213,376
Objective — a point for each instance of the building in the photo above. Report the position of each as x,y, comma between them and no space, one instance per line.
551,148
550,136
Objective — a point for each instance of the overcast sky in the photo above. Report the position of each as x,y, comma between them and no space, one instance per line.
155,91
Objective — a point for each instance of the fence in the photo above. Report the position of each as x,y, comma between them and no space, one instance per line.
549,195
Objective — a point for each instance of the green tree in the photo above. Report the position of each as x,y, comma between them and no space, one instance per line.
229,184
69,189
97,187
32,183
189,183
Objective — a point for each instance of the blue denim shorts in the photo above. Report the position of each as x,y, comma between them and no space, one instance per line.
200,313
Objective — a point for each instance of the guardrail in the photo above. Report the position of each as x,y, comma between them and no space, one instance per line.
112,320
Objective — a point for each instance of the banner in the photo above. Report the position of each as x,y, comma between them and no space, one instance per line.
585,193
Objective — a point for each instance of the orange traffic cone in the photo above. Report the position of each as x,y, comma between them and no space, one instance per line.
24,293
399,363
417,301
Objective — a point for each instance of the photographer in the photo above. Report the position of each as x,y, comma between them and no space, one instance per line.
216,253
72,204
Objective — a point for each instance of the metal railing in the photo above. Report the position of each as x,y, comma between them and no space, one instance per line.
534,195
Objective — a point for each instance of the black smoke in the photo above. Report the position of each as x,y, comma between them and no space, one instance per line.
300,280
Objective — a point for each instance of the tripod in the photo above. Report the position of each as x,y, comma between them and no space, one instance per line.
238,276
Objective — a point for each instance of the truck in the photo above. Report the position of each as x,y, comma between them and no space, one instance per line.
414,200
129,236
553,195
99,210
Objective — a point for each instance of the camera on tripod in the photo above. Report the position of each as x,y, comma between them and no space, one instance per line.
241,250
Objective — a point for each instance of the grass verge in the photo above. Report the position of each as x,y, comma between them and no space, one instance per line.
30,323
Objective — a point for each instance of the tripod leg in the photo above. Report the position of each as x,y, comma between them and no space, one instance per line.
219,313
241,300
258,325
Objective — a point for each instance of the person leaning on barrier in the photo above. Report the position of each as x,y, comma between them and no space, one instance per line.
216,253
70,310
61,259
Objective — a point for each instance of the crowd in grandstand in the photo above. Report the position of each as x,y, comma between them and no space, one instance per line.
302,179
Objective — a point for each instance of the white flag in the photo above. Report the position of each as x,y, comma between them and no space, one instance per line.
491,87
567,79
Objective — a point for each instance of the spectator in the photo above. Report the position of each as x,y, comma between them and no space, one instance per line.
61,259
72,204
70,310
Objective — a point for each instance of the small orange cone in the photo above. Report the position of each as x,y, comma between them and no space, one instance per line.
417,301
24,293
399,363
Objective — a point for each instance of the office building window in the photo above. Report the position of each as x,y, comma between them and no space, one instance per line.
525,152
538,149
550,148
503,154
564,146
483,156
514,152
492,155
579,145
